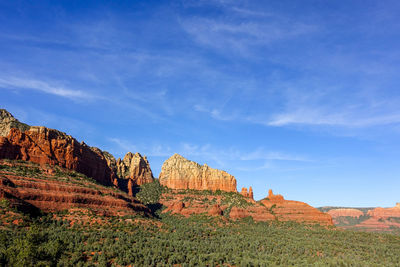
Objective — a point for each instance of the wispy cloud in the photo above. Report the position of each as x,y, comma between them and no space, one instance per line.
315,117
242,36
44,87
222,157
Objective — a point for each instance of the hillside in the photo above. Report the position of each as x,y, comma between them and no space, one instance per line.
82,237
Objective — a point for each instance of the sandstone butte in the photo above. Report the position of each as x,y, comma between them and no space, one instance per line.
248,194
345,213
289,210
179,173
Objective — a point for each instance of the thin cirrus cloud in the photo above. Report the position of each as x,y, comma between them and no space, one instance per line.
242,36
44,87
208,151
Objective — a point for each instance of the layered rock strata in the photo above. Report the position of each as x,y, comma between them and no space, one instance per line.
50,193
180,173
289,210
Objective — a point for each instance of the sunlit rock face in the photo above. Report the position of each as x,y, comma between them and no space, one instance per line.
7,122
179,173
48,146
135,167
247,193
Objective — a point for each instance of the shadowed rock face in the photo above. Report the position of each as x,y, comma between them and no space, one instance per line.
136,168
180,173
47,146
7,121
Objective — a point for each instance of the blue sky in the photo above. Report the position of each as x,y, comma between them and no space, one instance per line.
299,96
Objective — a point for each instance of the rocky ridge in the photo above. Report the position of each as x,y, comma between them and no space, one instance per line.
7,122
179,173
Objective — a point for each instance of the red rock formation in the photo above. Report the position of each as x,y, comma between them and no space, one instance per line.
288,210
49,194
248,194
215,211
345,213
273,197
180,173
47,146
175,208
134,167
385,212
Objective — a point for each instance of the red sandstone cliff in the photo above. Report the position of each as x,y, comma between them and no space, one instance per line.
180,173
47,146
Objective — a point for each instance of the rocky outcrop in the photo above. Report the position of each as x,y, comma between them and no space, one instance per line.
7,122
345,213
44,191
175,208
248,194
215,211
47,146
274,198
289,210
385,212
134,167
180,173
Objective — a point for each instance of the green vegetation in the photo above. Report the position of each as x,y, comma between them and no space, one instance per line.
350,221
198,240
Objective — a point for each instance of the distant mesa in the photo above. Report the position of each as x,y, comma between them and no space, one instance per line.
179,173
345,213
384,213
